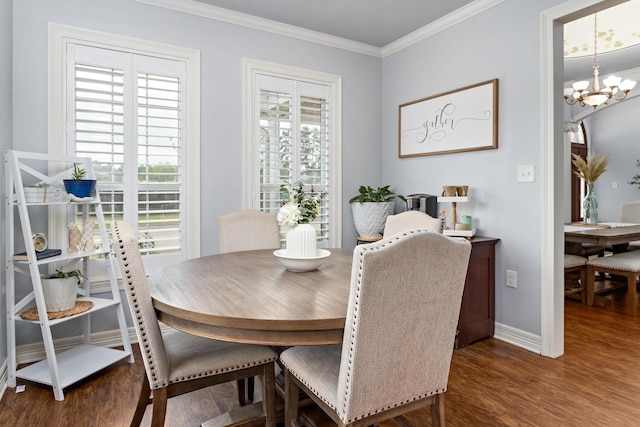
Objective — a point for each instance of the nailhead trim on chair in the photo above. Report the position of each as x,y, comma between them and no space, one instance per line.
374,247
145,343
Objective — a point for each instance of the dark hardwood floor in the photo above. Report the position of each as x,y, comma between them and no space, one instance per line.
596,383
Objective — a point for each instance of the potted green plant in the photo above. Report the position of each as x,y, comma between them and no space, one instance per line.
78,185
371,207
60,289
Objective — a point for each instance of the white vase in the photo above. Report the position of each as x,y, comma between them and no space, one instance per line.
301,241
60,294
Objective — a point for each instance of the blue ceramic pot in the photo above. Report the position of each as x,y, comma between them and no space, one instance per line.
80,187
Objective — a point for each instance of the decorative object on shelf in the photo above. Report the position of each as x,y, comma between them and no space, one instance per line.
370,209
78,186
79,307
299,209
60,289
80,239
449,191
614,88
301,265
589,171
461,229
42,192
47,253
39,241
464,119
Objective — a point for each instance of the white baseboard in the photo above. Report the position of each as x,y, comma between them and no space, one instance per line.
517,337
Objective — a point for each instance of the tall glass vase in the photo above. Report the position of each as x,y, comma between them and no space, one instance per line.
590,207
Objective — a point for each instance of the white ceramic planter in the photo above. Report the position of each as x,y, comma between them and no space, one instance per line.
370,217
60,294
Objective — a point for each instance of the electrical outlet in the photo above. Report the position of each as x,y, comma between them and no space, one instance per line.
512,279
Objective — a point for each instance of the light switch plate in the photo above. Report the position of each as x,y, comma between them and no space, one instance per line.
526,173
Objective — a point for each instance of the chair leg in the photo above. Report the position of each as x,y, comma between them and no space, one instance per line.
437,411
631,293
583,285
143,401
159,407
241,393
291,391
268,394
591,279
250,388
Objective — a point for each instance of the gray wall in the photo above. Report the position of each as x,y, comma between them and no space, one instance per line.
465,54
615,131
5,141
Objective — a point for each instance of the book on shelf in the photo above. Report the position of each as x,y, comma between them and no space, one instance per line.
47,253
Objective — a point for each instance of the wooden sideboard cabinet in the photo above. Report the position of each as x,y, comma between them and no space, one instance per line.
477,312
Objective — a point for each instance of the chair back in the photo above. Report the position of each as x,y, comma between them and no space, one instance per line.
247,230
401,322
136,286
630,213
411,220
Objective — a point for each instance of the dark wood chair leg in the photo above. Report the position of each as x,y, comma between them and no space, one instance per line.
242,396
143,401
250,388
437,411
159,407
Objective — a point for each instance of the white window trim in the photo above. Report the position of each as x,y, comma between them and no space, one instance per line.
249,165
59,36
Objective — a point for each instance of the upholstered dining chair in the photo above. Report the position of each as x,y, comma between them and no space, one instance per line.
630,214
411,220
175,362
247,230
402,315
575,265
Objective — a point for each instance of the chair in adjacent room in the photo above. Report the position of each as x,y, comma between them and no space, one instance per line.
411,220
247,230
176,362
575,276
625,265
630,214
401,323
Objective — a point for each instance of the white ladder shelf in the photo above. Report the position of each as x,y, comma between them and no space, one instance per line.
62,369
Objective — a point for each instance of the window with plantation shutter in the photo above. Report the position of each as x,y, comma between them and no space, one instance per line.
127,112
295,137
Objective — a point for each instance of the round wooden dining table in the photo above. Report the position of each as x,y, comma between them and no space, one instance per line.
249,297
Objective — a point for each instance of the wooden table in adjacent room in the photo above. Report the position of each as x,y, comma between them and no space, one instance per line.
609,235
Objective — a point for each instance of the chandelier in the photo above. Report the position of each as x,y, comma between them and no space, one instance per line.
614,87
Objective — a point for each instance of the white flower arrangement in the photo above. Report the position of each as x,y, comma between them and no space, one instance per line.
300,207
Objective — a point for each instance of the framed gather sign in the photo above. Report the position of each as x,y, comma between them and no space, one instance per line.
464,119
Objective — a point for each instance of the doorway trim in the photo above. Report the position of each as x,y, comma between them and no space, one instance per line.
551,119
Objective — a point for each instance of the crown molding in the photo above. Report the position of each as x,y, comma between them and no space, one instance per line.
447,21
242,19
224,15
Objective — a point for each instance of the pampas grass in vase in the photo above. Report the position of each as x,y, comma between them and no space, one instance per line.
590,170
